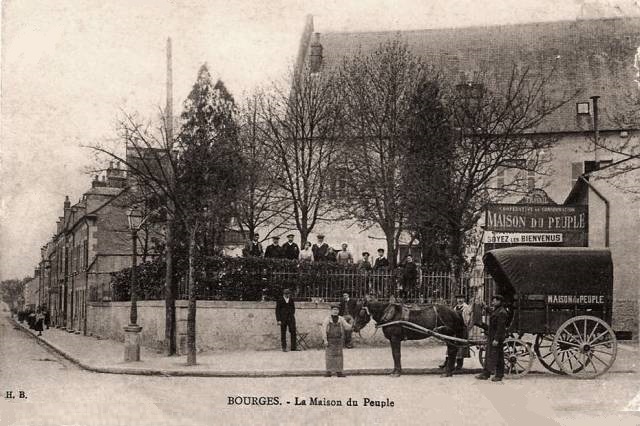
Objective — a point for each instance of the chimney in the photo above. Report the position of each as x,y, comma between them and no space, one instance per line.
67,203
315,57
115,177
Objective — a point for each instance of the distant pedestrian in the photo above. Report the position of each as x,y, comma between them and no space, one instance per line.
290,249
306,254
253,247
320,249
381,261
347,310
344,256
47,316
364,264
286,318
274,251
494,358
39,322
333,330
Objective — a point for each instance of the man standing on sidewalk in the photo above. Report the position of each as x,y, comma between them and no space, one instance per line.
333,330
285,315
494,362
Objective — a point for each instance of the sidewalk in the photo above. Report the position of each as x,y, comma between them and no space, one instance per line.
106,356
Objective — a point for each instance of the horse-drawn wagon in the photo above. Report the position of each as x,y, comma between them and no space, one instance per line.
561,298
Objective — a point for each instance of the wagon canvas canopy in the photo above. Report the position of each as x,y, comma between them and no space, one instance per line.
551,270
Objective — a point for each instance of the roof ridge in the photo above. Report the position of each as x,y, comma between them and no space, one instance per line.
484,27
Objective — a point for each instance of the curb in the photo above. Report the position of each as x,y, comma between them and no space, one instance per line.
245,374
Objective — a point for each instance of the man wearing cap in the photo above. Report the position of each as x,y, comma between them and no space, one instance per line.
290,250
320,249
286,317
347,310
494,362
253,248
333,330
381,262
274,251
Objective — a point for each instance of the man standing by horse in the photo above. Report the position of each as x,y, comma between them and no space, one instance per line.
347,310
465,311
494,362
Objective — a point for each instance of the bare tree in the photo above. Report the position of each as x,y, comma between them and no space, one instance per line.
263,203
377,89
491,127
623,171
302,127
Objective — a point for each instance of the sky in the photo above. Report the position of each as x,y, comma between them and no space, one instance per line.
70,67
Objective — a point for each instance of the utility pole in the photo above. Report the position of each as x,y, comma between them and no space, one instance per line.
596,130
170,290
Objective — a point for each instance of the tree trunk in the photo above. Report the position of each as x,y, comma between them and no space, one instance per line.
304,236
456,258
191,315
392,249
170,294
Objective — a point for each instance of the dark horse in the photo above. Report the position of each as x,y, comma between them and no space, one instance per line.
439,318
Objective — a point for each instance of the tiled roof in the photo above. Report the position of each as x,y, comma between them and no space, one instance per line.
594,56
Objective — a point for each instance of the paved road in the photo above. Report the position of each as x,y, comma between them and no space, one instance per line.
60,393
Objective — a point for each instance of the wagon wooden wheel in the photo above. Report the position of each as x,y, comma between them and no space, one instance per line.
585,347
518,358
542,347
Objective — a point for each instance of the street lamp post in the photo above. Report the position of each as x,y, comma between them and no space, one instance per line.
132,332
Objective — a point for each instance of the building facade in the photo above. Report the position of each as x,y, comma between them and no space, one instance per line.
92,240
591,58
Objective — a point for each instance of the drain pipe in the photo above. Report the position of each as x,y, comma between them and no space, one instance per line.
606,209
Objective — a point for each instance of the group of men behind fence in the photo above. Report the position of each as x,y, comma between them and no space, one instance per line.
318,252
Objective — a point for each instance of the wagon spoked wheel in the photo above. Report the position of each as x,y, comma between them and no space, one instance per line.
585,347
542,347
518,358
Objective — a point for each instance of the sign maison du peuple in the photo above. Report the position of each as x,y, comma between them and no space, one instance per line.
540,224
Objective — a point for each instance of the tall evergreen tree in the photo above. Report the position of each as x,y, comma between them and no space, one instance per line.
209,178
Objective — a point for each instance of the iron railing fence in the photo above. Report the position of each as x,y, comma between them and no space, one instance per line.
323,286
328,286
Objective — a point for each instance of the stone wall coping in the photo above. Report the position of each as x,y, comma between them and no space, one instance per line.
217,304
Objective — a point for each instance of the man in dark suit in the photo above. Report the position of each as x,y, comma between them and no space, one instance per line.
320,249
285,315
409,275
290,250
253,247
381,262
494,361
274,251
347,310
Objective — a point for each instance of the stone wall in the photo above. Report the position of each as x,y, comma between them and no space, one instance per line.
252,325
220,325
